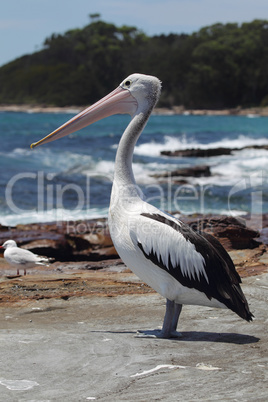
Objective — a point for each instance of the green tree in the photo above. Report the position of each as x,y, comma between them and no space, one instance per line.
222,65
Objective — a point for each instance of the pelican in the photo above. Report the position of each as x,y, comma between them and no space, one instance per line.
21,258
184,266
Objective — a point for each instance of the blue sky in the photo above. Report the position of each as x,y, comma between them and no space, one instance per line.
24,24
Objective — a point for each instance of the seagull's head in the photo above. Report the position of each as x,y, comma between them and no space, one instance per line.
9,243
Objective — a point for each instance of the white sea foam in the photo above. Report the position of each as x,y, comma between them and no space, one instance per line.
143,172
54,215
252,116
240,142
20,152
244,164
153,148
102,168
68,162
173,143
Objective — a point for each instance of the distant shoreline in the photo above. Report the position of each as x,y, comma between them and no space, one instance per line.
175,110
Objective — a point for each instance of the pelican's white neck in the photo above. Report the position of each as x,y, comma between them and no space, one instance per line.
146,95
123,162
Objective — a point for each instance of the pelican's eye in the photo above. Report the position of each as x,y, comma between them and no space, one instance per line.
127,84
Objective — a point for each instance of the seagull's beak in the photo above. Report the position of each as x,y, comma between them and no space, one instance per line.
120,101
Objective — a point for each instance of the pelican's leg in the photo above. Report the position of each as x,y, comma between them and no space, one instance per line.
24,271
18,271
176,316
168,320
169,325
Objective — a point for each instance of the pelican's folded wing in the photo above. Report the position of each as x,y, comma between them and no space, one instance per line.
188,256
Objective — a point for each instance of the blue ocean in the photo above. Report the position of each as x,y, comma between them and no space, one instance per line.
71,178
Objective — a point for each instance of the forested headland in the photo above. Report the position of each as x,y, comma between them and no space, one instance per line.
220,66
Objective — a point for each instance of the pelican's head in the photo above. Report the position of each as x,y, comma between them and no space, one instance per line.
136,93
144,88
8,244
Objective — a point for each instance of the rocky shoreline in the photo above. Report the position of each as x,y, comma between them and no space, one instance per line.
174,110
87,244
85,262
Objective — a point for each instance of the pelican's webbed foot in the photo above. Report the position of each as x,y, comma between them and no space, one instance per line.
157,333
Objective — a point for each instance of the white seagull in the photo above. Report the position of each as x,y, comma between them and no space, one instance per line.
21,258
184,266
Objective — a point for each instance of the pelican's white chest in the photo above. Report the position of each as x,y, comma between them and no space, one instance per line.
122,217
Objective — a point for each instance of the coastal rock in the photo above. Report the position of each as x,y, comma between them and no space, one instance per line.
197,153
96,245
249,262
87,240
231,232
207,153
193,171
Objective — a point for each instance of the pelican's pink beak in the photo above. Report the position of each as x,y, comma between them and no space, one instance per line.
120,101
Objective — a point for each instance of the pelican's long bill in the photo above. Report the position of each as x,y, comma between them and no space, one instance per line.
119,101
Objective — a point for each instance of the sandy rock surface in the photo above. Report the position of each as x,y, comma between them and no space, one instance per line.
85,348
